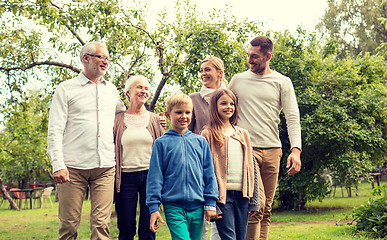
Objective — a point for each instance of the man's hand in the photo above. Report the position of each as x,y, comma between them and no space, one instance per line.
210,215
61,176
163,122
294,160
154,217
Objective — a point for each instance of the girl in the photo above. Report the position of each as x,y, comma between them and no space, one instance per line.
234,166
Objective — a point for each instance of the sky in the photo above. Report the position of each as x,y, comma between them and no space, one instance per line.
276,15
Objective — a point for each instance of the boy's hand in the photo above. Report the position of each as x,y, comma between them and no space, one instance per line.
154,217
209,215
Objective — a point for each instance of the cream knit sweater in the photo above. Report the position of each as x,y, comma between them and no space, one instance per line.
260,101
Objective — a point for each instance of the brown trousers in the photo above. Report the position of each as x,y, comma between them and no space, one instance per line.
268,160
72,194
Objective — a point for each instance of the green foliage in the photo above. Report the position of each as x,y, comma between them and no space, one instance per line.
371,218
354,25
175,47
342,102
23,142
40,40
343,112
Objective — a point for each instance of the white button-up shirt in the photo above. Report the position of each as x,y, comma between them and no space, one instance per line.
80,126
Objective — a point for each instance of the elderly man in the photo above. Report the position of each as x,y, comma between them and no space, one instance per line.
80,143
262,93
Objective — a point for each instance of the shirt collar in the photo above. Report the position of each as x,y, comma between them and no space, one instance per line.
83,80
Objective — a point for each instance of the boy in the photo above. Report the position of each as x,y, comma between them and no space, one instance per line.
181,175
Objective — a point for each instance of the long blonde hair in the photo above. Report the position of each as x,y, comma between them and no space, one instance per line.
218,64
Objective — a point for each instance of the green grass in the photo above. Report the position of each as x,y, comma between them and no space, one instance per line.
335,209
43,223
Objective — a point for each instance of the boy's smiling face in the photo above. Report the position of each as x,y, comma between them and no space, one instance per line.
180,117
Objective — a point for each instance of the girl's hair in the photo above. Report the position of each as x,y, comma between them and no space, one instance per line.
215,124
218,64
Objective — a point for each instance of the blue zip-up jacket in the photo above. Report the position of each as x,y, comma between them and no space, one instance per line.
181,172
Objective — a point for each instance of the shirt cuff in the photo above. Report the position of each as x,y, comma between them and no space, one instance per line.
56,166
210,208
153,208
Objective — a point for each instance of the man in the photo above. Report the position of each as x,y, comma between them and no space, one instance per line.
80,143
262,93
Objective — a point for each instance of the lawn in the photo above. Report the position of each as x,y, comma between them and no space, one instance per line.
321,220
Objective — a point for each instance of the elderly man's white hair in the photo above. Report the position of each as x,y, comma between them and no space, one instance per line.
132,80
90,48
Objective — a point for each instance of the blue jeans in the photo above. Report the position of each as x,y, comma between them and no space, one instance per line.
233,224
133,184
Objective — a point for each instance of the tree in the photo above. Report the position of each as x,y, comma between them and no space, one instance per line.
6,195
40,40
343,111
354,25
23,143
175,48
382,49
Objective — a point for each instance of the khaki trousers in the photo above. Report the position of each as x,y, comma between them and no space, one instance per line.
72,194
268,160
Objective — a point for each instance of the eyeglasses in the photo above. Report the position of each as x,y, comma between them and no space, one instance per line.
100,57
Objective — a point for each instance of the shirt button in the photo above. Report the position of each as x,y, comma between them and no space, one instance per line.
222,177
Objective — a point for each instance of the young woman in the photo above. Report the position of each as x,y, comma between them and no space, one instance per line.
234,166
212,76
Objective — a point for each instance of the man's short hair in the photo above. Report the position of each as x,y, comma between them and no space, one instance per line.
264,42
177,99
90,48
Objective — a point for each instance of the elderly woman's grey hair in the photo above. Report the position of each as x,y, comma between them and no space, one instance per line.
90,48
131,81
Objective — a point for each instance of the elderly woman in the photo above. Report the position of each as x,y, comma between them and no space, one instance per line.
134,133
212,76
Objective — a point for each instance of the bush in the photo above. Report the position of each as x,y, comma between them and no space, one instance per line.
371,218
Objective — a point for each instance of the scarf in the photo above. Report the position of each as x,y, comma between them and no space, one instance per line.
206,92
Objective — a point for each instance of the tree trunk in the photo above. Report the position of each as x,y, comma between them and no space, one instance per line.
10,200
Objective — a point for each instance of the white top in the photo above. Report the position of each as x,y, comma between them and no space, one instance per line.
80,126
234,162
137,143
260,101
